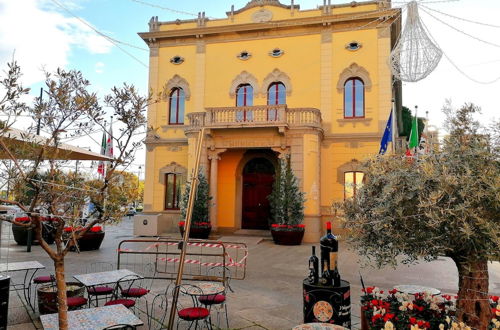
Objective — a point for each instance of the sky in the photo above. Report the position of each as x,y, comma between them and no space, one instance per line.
41,35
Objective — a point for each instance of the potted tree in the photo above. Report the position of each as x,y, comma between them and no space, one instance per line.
20,230
90,240
200,224
287,207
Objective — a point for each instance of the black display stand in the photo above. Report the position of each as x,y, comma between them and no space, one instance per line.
4,300
327,304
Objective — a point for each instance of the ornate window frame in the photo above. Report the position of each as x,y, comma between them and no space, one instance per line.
177,81
353,71
174,168
243,78
277,76
353,166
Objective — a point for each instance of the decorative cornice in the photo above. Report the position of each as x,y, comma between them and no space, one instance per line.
261,3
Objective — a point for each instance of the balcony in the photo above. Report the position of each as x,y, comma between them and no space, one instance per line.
279,116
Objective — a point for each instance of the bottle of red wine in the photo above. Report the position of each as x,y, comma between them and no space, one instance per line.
329,249
313,267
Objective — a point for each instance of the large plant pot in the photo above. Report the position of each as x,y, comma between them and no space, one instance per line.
20,234
47,296
90,241
197,232
287,237
364,321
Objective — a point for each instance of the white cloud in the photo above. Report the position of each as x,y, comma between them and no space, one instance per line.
99,67
42,36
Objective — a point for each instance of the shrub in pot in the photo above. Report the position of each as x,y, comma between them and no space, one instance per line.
20,233
91,240
47,295
287,207
200,224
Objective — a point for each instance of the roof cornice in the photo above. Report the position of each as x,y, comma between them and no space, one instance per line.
261,3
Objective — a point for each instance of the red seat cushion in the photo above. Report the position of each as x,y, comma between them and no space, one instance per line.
125,302
134,292
100,290
193,313
42,279
76,301
212,299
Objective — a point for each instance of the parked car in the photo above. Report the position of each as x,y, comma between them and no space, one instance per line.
131,212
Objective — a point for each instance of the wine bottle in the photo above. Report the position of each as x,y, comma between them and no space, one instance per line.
313,267
329,249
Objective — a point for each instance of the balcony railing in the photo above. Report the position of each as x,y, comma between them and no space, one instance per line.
255,116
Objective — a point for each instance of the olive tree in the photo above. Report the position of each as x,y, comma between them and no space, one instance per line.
67,110
443,204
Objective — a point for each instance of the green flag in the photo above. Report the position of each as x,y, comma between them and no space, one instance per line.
413,141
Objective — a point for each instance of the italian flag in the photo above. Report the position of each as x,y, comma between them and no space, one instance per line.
413,141
101,167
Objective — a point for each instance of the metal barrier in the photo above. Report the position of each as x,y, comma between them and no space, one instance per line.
201,256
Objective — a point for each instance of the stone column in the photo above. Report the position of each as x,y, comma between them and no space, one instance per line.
214,157
311,186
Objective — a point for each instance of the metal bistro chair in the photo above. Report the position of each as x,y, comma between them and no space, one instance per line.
99,291
159,308
218,300
188,306
121,327
116,297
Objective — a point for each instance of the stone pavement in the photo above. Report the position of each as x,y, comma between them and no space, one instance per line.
270,297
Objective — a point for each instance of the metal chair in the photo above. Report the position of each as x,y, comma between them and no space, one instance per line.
116,297
218,300
121,327
99,291
158,311
188,307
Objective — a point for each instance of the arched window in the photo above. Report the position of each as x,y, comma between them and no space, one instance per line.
276,95
176,108
244,95
173,185
354,98
352,182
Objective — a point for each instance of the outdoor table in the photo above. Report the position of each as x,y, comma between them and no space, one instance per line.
318,326
93,318
101,278
413,289
207,289
25,266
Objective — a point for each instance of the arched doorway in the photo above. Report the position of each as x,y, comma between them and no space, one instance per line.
258,178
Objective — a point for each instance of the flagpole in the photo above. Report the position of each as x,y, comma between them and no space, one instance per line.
416,125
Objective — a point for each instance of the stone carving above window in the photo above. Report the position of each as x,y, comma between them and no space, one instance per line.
354,70
173,167
353,166
177,81
277,76
243,78
262,15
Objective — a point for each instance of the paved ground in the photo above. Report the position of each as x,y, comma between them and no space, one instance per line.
270,297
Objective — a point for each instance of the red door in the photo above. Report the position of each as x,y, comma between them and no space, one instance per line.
256,187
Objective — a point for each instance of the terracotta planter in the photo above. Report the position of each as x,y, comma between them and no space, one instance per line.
47,296
197,232
364,321
287,237
20,234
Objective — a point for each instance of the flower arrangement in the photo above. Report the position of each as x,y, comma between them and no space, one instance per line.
196,224
94,229
419,311
284,227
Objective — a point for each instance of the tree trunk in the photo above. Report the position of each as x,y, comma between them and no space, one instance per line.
62,306
473,306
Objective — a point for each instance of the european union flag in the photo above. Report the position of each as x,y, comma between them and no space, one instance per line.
387,137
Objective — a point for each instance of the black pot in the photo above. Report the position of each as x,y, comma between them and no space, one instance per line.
20,234
47,296
90,241
287,237
197,232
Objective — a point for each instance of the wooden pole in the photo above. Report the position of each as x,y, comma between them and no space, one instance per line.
187,227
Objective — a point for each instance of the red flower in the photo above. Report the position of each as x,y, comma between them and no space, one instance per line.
375,302
419,308
376,317
413,320
446,296
420,323
181,223
22,219
369,289
388,317
427,325
274,225
304,226
494,298
96,229
381,291
393,291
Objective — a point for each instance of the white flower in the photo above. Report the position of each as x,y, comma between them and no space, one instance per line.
388,326
448,320
441,326
434,307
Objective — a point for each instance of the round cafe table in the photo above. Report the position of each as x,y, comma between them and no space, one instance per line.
318,326
413,289
204,289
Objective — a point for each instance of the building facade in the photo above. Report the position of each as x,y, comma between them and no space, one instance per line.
270,81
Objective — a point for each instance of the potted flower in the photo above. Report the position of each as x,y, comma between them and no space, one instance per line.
20,232
397,310
91,240
287,207
200,225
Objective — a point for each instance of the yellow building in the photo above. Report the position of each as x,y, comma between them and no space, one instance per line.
268,81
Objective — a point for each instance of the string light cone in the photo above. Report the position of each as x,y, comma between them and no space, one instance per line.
415,56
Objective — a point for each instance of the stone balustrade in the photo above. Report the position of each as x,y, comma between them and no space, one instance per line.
255,116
